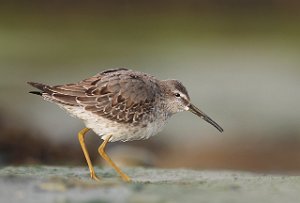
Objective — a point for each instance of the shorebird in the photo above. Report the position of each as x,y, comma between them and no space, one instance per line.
120,105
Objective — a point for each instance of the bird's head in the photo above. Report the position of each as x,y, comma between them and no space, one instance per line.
178,99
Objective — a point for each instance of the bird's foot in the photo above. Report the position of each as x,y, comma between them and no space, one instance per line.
126,178
94,176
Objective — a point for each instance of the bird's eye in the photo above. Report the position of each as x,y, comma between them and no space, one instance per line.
177,95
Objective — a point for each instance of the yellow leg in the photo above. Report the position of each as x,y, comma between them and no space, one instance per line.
106,158
81,136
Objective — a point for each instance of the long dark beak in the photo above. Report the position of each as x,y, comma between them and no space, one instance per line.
202,115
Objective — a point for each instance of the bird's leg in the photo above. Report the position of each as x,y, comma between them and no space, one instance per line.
81,136
106,158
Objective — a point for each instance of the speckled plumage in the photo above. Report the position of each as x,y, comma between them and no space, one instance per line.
126,104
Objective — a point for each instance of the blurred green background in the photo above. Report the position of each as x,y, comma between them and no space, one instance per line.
238,59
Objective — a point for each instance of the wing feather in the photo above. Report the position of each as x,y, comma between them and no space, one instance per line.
114,94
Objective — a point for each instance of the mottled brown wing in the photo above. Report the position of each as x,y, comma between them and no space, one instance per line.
68,94
121,95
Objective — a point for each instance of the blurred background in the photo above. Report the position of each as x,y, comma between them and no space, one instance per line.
239,59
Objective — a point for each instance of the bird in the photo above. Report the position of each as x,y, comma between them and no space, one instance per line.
120,104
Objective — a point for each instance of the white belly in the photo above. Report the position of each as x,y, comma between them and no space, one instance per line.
119,131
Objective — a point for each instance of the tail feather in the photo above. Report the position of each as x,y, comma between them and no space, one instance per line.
36,92
39,86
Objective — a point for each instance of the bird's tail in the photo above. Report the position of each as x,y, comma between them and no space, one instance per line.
40,86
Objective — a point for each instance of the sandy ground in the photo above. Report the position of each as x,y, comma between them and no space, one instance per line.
72,184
